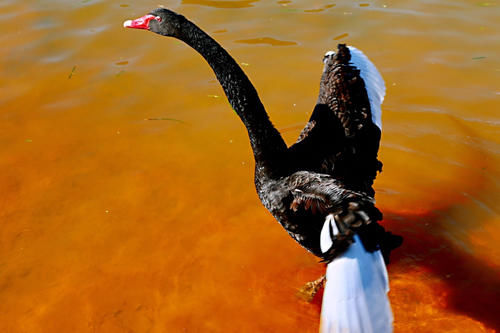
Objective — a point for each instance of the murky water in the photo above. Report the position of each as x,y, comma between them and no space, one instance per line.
127,202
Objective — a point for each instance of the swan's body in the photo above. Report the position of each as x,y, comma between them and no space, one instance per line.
330,170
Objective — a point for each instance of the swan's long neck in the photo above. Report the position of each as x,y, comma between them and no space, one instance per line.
267,144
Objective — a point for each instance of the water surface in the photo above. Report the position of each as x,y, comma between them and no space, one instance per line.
127,202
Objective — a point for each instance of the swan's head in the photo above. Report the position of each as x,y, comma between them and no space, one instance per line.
161,21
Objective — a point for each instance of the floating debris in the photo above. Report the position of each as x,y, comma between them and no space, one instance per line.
245,64
121,63
314,10
486,4
478,58
72,72
213,96
266,40
28,140
320,9
341,36
364,5
165,118
120,73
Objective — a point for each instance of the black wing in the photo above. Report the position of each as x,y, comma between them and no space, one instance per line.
340,138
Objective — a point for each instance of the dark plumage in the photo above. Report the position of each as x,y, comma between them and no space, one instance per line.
331,168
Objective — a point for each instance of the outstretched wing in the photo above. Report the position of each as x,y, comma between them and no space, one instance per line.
342,137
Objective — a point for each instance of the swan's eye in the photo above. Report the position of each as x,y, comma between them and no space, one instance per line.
158,18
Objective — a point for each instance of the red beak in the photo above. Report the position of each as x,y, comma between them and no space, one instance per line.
141,22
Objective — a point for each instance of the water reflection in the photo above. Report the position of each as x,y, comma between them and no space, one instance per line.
222,4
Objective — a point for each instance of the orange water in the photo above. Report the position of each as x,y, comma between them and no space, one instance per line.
127,202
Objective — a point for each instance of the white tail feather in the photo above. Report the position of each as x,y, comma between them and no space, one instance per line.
355,297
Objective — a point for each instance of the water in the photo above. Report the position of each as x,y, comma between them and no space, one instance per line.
127,201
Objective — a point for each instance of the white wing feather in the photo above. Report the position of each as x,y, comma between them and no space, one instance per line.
375,85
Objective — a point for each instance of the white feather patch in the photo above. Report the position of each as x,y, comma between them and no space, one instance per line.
325,241
326,56
374,83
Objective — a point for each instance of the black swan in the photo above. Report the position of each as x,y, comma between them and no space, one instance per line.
320,188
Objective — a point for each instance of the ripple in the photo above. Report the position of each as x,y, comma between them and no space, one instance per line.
56,58
45,23
266,40
5,3
8,16
221,4
91,31
399,11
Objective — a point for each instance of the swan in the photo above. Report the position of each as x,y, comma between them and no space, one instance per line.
320,188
